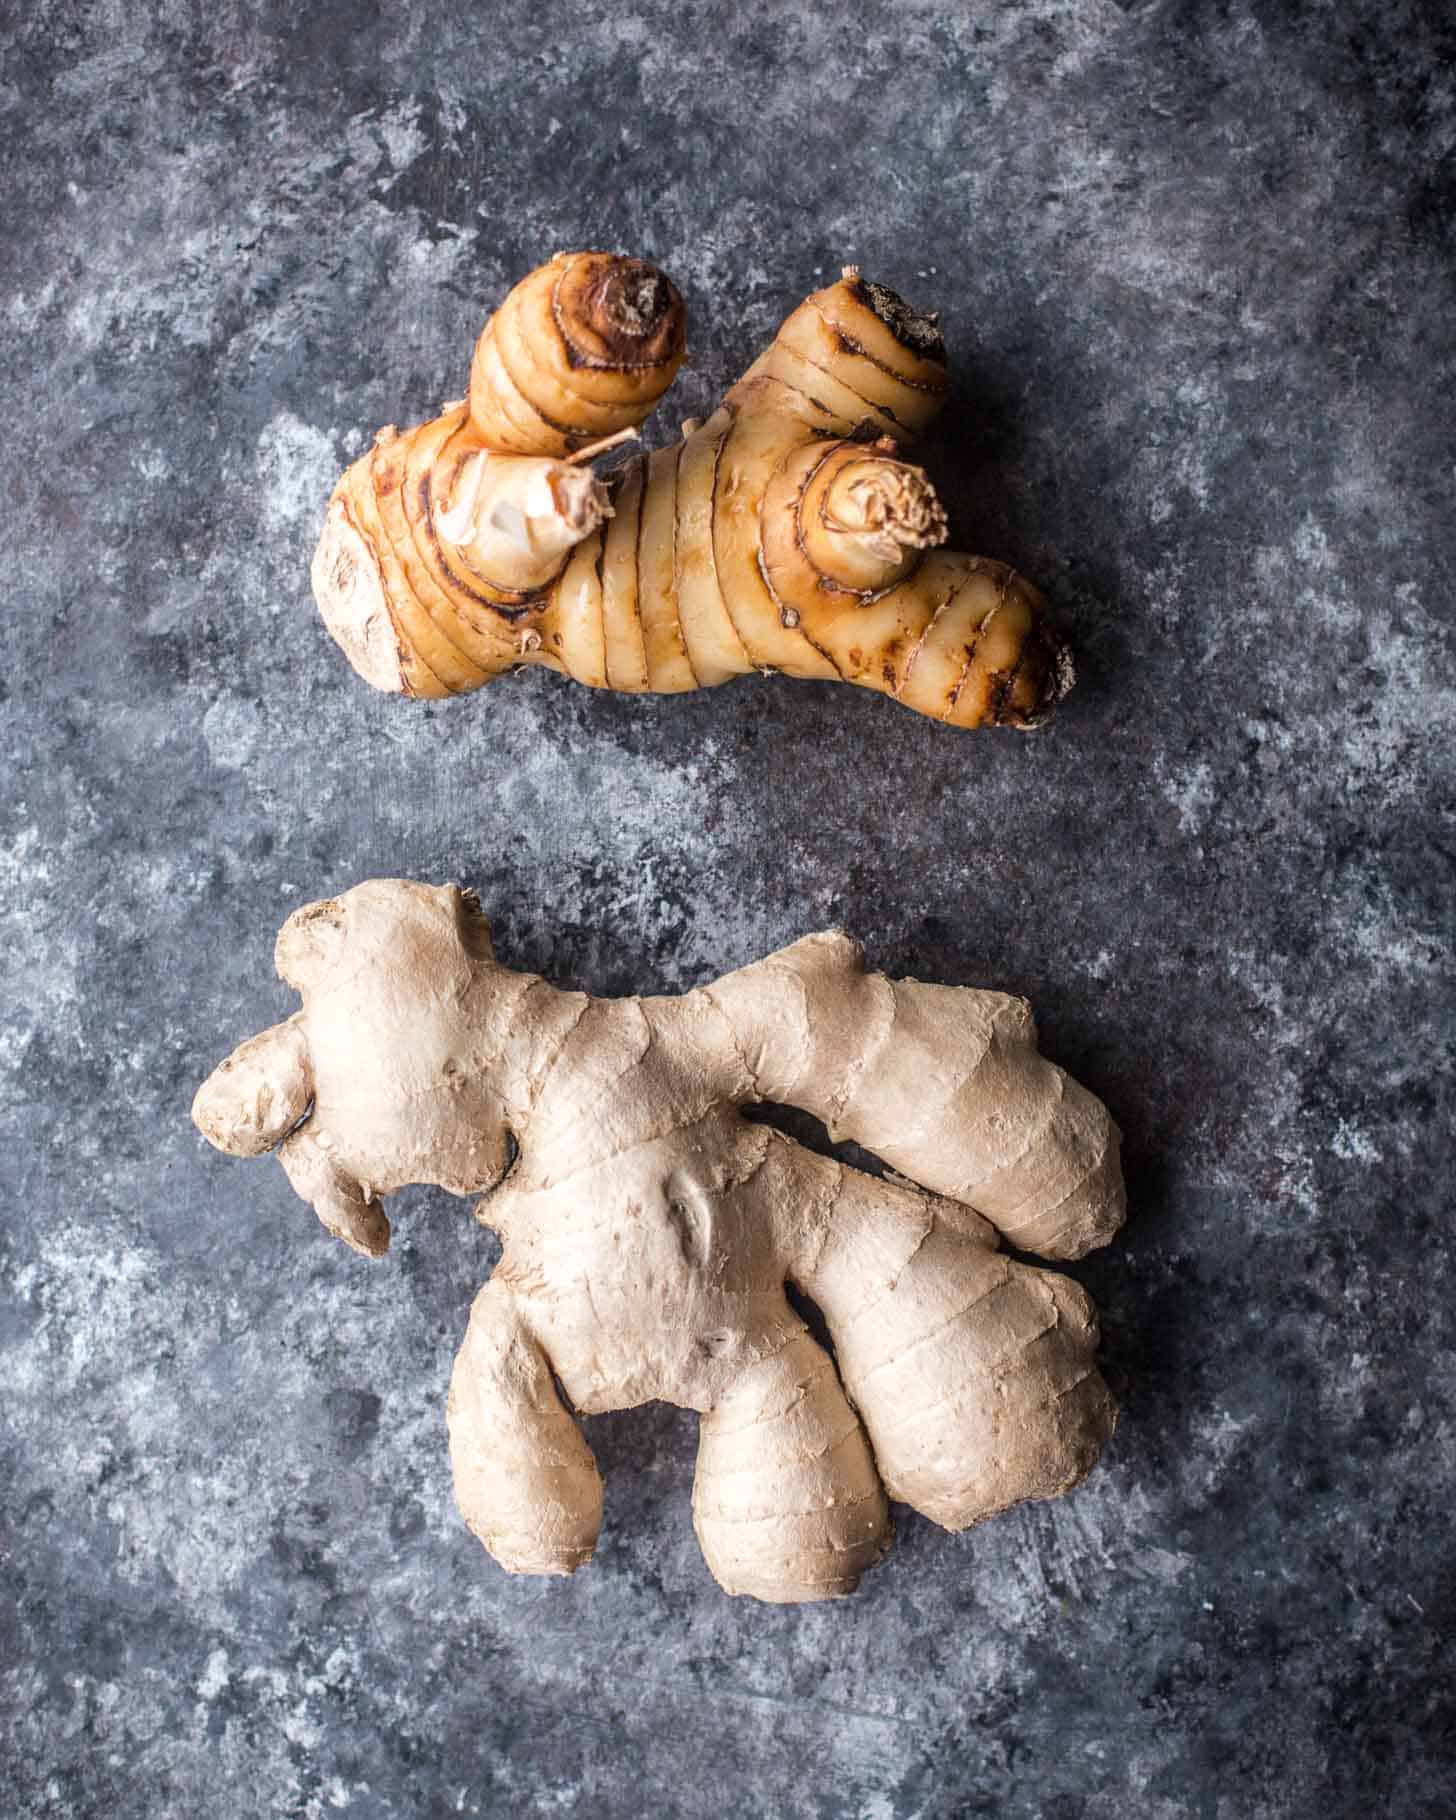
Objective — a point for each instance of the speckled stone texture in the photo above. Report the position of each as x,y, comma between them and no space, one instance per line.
1195,267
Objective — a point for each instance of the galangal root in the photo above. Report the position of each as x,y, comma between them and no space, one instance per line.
785,533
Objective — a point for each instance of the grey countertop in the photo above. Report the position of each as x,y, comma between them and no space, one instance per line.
1195,265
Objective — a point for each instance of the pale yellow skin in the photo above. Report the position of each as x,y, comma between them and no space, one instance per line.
783,534
649,1229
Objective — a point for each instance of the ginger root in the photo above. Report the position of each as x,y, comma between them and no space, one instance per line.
783,534
649,1228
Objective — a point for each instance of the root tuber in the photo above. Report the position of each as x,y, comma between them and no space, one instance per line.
785,533
582,348
649,1229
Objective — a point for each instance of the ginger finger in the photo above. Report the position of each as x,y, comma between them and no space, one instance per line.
525,1479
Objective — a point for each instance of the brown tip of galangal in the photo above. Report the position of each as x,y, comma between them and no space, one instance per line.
618,313
917,330
1043,676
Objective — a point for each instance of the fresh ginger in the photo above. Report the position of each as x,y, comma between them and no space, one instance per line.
783,534
649,1229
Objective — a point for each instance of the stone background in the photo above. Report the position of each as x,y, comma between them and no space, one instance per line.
1195,267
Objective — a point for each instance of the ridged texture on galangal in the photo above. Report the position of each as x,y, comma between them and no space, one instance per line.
785,534
582,348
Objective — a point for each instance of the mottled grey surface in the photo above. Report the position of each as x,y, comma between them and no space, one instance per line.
1195,267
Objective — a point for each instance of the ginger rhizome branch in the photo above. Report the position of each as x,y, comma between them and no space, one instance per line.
785,533
649,1229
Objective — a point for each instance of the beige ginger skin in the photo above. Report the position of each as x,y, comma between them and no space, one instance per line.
649,1229
785,533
